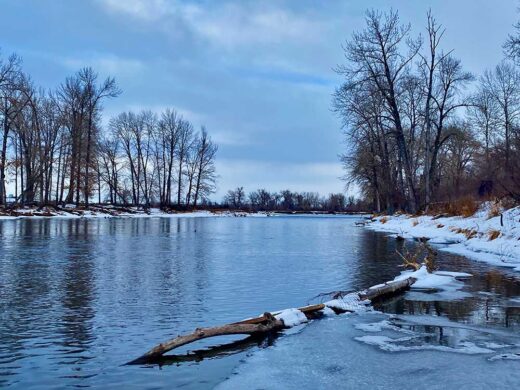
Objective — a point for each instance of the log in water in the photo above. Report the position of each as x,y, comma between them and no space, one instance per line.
266,323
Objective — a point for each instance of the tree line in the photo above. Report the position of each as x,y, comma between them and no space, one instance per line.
420,129
55,150
287,200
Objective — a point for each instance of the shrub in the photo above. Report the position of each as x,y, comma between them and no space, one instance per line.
464,207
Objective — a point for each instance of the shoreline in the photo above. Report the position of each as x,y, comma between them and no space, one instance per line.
94,212
484,237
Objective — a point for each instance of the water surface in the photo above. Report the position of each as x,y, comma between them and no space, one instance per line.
81,297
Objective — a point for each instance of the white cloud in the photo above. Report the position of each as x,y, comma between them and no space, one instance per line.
148,10
225,25
322,177
105,64
230,138
235,25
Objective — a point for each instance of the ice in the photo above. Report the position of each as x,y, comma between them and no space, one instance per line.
506,356
325,355
439,285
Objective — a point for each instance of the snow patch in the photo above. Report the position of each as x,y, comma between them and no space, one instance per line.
291,317
349,302
445,281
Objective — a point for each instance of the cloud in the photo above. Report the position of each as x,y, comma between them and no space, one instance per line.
230,138
234,25
147,10
322,177
107,64
225,25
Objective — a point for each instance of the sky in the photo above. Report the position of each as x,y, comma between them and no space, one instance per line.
258,74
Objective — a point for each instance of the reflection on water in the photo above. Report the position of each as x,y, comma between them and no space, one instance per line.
81,297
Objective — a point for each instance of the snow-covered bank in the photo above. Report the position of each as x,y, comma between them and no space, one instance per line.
113,212
70,211
483,236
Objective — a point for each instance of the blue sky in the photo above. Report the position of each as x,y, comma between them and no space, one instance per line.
258,74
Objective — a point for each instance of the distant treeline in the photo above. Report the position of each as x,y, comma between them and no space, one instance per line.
263,200
419,128
54,149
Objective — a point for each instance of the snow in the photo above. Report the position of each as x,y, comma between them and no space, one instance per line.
435,281
349,302
291,317
448,232
70,212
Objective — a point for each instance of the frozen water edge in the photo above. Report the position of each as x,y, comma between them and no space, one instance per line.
338,353
136,213
353,351
452,232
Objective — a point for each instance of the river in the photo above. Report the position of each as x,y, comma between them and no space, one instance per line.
81,297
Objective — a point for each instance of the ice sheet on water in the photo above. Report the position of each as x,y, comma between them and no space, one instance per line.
325,355
401,344
506,356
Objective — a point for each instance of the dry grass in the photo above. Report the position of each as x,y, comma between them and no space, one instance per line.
415,222
423,255
469,233
493,234
464,207
384,220
495,210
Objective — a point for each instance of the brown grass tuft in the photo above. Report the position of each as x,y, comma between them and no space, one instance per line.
384,220
440,226
415,222
493,234
469,233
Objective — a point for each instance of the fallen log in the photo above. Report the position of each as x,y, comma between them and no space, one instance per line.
268,323
386,289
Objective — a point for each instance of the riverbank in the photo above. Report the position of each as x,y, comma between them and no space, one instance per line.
108,211
490,235
115,212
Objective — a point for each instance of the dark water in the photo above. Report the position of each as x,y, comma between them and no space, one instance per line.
79,298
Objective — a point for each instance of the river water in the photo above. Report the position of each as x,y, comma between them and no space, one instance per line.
81,297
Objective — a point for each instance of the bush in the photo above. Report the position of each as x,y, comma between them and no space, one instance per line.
464,207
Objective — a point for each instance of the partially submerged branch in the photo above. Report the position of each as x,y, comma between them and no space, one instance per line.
268,323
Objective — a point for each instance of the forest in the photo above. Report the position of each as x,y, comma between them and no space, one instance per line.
420,129
55,149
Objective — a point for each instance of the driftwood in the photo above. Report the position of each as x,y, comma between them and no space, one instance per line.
267,323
